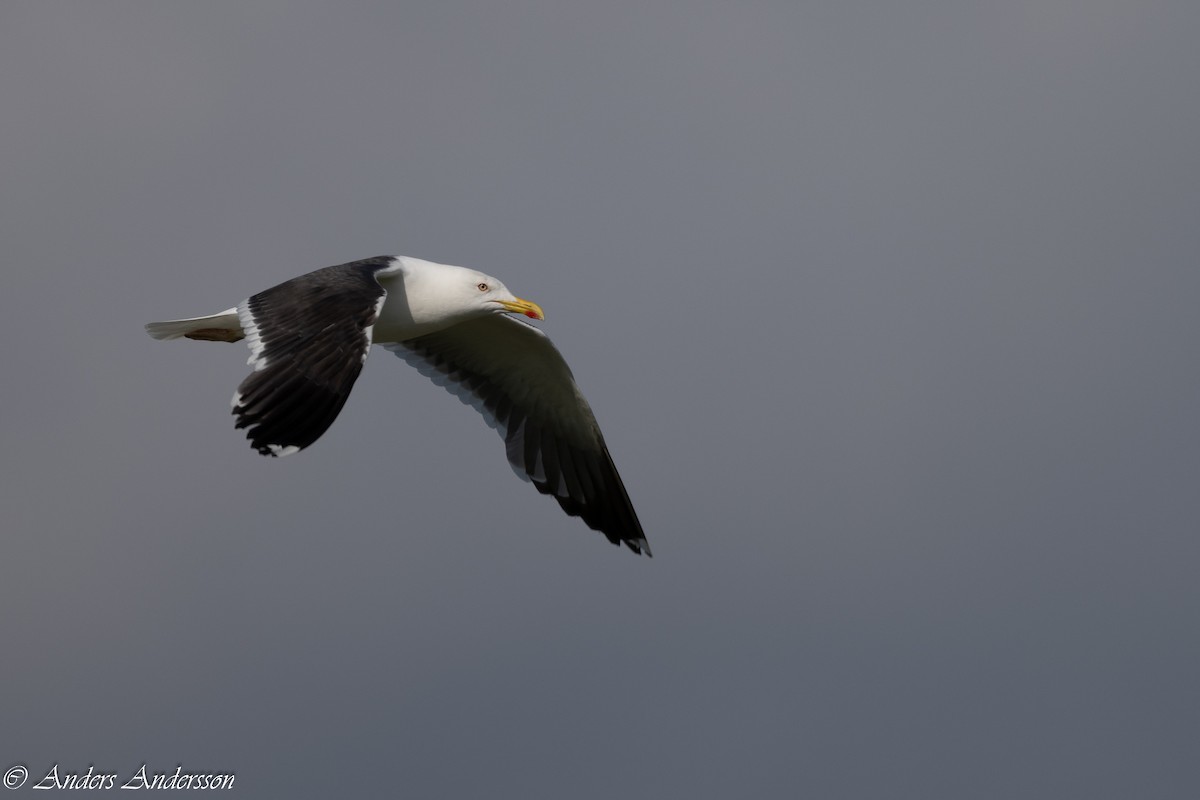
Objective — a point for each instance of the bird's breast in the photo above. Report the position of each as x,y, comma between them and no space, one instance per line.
399,321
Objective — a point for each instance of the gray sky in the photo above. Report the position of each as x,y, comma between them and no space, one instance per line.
888,310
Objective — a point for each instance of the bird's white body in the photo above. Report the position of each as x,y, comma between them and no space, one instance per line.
422,297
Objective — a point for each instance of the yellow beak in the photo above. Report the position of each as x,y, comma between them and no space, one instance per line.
526,307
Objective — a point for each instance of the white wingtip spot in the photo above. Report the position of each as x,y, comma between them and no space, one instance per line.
282,450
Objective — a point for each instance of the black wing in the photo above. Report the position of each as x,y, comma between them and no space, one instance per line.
308,340
511,373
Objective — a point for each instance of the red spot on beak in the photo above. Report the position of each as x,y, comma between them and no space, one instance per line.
531,315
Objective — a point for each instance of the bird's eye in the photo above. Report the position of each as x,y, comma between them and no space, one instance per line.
483,287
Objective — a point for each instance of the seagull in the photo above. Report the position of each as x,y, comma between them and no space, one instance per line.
310,336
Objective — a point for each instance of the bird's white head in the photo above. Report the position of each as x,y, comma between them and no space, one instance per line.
497,299
441,292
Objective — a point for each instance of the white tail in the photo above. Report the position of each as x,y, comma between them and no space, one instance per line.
223,327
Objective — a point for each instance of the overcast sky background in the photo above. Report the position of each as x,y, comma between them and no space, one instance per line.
888,311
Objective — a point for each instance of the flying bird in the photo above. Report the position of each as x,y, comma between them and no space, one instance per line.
310,336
